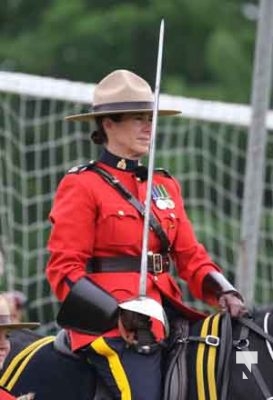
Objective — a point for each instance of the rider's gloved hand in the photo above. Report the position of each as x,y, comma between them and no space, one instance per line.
130,325
218,290
129,335
233,303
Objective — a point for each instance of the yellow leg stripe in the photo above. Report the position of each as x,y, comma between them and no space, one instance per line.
117,370
18,358
212,360
199,362
27,354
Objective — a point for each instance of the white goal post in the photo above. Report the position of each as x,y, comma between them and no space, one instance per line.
205,149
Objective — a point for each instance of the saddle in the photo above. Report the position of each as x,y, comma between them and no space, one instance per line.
198,357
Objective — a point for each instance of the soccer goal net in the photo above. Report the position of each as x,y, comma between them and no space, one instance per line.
205,149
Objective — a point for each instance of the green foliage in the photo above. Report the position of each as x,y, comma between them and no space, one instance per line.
85,39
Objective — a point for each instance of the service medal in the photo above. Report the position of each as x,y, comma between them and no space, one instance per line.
161,197
170,204
161,204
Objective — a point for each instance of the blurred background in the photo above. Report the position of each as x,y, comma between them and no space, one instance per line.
217,68
208,48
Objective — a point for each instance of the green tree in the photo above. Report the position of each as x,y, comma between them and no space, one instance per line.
208,44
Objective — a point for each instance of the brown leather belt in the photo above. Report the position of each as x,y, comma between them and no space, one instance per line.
157,264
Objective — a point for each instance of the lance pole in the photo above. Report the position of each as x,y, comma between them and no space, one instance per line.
144,304
145,243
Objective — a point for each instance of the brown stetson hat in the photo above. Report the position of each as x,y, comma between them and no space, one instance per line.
5,318
121,91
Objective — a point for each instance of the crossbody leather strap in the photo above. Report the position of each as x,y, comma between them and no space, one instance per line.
125,193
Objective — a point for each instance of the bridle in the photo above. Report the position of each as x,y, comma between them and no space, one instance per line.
175,388
268,344
242,344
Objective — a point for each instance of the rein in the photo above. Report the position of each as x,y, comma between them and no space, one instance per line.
242,344
256,328
268,345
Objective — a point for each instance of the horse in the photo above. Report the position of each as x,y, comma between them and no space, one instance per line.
216,358
222,359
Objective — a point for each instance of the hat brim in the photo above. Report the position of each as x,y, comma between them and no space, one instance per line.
22,325
92,115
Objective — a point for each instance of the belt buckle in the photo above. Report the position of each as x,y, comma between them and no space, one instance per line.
157,263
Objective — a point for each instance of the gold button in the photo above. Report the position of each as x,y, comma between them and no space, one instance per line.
121,212
172,215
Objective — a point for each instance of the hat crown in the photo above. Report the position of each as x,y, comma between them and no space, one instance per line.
122,86
121,92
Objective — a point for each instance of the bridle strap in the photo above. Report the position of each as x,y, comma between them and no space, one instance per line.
261,382
246,326
223,369
268,345
255,328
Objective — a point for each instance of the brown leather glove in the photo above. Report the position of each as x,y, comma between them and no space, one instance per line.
126,325
218,289
130,322
233,303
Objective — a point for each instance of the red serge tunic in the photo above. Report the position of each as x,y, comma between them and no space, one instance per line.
91,219
5,395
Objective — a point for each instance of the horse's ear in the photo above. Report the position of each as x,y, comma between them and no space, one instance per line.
88,309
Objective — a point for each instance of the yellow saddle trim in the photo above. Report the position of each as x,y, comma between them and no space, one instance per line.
20,361
211,369
205,373
199,361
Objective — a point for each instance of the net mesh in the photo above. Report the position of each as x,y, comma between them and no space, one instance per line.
205,150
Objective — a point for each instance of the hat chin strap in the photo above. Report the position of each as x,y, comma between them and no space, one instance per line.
144,304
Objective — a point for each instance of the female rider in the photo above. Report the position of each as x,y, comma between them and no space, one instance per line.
96,242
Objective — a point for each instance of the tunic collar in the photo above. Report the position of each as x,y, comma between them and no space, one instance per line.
117,162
